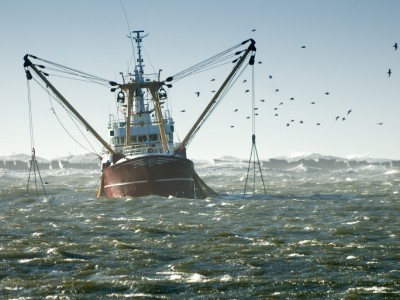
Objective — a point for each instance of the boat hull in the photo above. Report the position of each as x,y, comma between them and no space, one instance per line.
163,175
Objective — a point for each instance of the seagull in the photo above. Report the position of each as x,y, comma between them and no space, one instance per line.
380,123
318,124
292,98
260,62
213,79
232,126
197,93
270,76
244,80
287,124
253,30
343,119
183,110
327,93
303,47
349,111
395,46
246,91
275,108
277,90
389,72
262,100
235,110
337,118
276,115
213,91
301,122
247,117
313,102
281,103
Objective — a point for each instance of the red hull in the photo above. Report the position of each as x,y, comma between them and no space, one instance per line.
163,175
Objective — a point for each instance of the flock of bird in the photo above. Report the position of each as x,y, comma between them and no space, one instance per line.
395,49
293,121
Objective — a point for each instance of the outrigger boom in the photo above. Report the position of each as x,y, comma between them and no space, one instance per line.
29,64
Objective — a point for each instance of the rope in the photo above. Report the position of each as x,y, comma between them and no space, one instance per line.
72,117
229,85
253,153
76,125
218,58
33,161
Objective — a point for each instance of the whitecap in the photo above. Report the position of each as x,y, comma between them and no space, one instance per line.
373,289
295,255
226,278
196,277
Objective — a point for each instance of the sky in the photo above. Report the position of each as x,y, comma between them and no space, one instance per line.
309,47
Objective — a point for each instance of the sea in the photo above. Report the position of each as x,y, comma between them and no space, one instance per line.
310,227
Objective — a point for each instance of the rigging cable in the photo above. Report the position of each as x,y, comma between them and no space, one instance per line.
130,34
253,153
93,151
76,125
33,161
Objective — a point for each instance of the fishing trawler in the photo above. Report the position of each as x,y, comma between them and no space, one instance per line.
141,157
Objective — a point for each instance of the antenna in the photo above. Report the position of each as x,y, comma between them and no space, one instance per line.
129,30
139,66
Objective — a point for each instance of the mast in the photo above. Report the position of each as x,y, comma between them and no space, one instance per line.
27,64
213,101
134,90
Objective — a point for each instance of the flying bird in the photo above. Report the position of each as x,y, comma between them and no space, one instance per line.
380,123
349,111
277,90
232,126
301,122
395,46
197,93
313,102
235,110
270,76
337,118
292,98
260,62
246,91
213,79
287,124
281,103
244,80
183,110
389,72
327,93
253,30
318,124
303,47
262,100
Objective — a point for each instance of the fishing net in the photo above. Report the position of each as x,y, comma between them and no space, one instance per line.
201,189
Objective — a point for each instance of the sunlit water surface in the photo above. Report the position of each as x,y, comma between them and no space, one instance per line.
316,233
